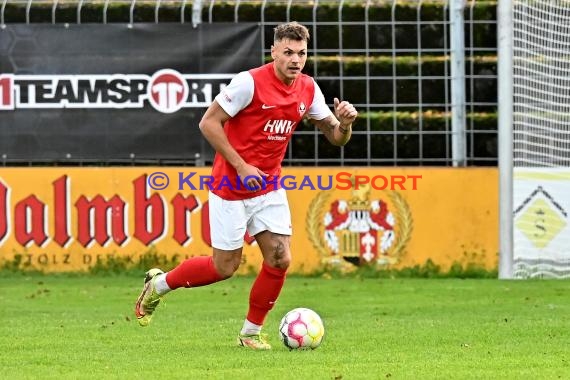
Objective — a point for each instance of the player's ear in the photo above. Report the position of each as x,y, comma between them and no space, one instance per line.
272,51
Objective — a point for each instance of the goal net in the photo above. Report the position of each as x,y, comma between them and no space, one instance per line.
541,138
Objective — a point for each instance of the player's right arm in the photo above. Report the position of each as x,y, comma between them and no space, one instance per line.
212,125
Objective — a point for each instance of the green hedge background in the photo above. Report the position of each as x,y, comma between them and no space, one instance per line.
433,145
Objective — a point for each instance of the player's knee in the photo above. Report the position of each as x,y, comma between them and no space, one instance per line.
227,264
280,261
226,270
276,249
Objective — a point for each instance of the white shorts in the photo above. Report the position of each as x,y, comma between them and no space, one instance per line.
229,220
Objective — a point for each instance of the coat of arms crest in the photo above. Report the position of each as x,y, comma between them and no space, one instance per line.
362,230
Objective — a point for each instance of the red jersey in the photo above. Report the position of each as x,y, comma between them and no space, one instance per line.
261,130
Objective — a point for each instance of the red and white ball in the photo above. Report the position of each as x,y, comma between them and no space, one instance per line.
301,328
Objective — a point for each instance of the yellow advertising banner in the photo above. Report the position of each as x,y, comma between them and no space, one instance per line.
68,219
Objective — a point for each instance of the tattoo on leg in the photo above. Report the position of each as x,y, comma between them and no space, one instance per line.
278,251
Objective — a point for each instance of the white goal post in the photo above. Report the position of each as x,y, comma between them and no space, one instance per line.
534,138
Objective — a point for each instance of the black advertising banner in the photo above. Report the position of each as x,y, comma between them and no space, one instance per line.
105,92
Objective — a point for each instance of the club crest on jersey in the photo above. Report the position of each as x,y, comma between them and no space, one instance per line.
302,109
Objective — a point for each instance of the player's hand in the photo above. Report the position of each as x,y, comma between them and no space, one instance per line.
344,112
251,177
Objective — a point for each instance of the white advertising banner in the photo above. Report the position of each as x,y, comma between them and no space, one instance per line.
541,202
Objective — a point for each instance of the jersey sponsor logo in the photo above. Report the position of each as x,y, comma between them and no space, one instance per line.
279,130
279,126
167,90
276,138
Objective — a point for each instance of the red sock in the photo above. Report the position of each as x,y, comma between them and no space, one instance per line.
264,293
193,272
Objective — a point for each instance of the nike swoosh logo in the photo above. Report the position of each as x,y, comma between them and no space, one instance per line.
265,107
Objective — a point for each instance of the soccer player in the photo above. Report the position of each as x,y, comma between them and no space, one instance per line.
249,124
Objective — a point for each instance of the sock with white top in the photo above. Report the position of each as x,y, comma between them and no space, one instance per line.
250,328
160,284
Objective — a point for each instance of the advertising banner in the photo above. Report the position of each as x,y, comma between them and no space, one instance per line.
111,92
541,202
66,219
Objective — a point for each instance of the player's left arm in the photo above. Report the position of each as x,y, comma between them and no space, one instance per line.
337,128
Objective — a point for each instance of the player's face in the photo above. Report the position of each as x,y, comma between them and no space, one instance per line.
289,58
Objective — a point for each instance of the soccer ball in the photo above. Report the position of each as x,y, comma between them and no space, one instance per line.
301,328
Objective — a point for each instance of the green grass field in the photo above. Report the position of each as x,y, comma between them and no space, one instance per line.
83,327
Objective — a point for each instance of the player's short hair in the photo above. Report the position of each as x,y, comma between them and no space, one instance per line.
291,31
